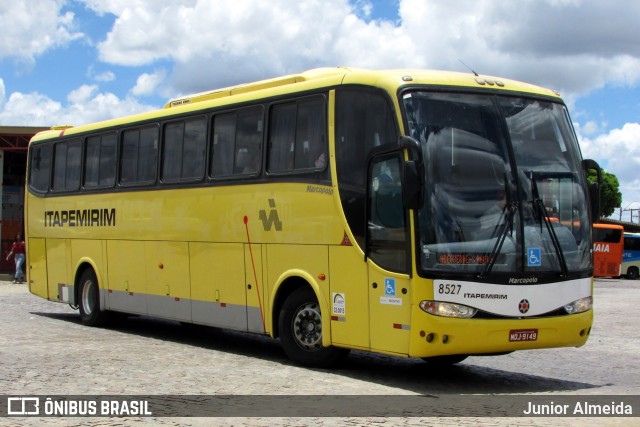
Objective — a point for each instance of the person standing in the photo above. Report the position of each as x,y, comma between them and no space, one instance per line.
17,250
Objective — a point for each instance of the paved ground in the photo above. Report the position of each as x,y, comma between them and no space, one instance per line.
45,351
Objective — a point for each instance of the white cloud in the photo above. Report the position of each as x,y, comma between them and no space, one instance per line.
107,76
32,109
590,128
618,152
85,105
570,45
225,42
147,84
280,32
574,46
540,42
82,94
2,93
364,7
31,27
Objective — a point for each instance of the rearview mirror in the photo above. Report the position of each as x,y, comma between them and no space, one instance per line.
412,186
594,188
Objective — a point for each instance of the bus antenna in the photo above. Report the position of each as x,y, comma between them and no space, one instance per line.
470,69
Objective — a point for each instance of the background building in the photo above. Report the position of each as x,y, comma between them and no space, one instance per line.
14,141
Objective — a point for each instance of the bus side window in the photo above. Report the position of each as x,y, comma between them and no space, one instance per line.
222,145
249,141
100,161
364,120
310,150
236,143
194,145
282,137
40,167
297,140
139,156
387,243
66,166
148,155
183,150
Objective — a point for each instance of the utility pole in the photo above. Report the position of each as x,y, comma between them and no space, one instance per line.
631,210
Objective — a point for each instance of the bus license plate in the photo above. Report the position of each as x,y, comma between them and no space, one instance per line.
523,335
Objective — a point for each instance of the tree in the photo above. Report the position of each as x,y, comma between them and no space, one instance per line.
610,196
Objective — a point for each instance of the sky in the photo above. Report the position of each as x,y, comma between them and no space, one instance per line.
81,61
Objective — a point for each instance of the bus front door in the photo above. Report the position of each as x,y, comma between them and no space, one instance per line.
388,255
390,311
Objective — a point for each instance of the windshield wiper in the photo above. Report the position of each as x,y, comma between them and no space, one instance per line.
538,205
504,225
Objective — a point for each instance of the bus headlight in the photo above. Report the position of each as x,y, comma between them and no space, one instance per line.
448,309
579,306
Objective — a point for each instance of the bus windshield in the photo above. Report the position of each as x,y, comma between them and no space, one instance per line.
503,186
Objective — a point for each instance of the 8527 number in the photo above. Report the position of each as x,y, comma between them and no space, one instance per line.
449,289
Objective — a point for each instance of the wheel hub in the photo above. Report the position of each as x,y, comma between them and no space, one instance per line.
87,297
307,327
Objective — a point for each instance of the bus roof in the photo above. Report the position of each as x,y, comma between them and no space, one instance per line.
331,76
390,80
345,75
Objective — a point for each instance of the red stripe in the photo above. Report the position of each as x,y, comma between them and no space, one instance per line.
397,326
255,275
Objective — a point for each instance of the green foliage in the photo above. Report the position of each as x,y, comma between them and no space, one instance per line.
610,196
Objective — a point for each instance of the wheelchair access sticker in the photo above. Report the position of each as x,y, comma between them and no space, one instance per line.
389,297
390,287
534,257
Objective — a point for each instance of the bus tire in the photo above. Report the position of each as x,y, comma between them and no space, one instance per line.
445,360
632,273
89,300
300,325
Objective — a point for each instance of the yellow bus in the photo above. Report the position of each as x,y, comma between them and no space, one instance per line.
413,213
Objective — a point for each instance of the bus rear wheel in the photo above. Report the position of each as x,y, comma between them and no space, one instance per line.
300,325
89,300
632,273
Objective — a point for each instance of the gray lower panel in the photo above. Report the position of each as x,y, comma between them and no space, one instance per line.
254,319
169,307
127,302
210,313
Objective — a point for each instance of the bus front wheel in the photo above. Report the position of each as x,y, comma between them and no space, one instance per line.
632,273
300,325
89,300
